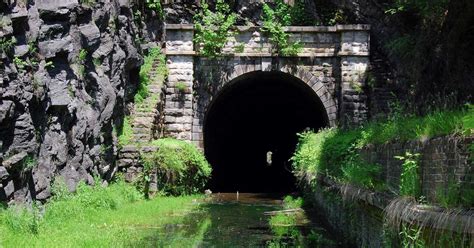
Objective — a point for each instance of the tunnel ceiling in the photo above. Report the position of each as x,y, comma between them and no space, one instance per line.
254,114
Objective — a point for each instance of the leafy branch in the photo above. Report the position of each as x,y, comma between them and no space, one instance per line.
213,28
274,21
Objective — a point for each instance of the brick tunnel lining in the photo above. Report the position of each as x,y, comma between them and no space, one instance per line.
254,114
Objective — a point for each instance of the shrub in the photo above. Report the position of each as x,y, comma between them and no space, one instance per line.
155,5
213,28
274,21
289,202
180,167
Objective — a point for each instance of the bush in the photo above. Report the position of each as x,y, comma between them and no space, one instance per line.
213,28
180,167
274,20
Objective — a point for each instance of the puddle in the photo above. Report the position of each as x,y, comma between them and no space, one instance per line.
228,220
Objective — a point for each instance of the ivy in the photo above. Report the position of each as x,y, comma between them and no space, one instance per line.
274,20
213,28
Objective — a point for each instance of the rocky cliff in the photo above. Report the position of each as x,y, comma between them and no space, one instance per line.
66,71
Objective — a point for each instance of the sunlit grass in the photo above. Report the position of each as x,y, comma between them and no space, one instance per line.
115,216
335,152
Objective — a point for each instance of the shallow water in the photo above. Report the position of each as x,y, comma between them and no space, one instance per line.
228,220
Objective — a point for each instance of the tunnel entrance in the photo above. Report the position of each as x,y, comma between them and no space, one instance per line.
255,118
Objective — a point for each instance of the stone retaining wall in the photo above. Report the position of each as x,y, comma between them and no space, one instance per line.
357,214
443,160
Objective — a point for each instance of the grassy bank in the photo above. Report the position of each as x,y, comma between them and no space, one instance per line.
116,216
335,152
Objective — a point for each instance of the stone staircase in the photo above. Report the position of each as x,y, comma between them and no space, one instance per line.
146,114
144,122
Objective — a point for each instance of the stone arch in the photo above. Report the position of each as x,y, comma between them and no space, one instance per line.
303,75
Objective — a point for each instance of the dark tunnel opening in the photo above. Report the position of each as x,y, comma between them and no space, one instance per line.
255,114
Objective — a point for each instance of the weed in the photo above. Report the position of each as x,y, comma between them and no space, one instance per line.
6,44
20,63
155,5
21,219
289,202
274,21
88,2
410,176
213,28
81,60
239,48
71,91
181,168
97,62
411,237
125,134
181,87
28,163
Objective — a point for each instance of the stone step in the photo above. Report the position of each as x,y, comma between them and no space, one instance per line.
145,114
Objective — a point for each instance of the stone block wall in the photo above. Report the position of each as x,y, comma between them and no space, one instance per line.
443,160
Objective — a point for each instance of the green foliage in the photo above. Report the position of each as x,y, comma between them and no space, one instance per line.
6,44
96,216
335,152
337,17
455,195
402,46
59,189
21,219
274,21
149,61
181,87
155,5
125,134
289,202
410,176
363,174
282,219
28,163
239,48
299,15
81,60
88,2
213,28
180,167
425,8
20,63
411,237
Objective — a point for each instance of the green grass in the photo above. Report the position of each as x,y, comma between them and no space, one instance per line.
115,216
142,90
335,152
125,134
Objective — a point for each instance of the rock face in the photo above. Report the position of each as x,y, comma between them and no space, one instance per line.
65,73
